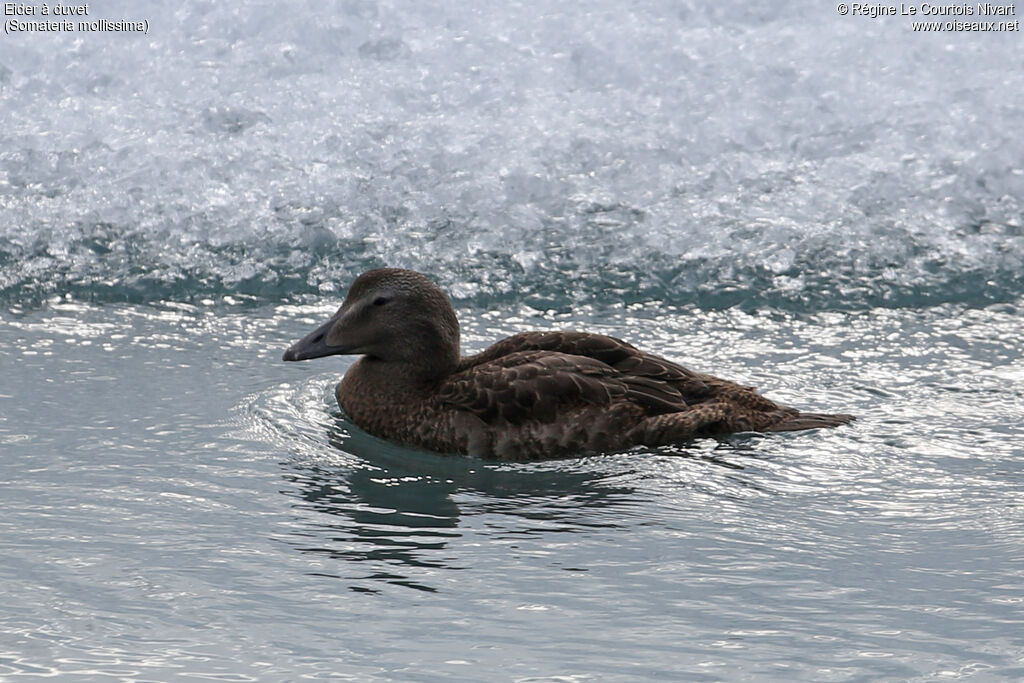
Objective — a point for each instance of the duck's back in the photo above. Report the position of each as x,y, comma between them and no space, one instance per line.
541,394
528,404
630,363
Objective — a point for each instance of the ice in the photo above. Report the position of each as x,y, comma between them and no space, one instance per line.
722,153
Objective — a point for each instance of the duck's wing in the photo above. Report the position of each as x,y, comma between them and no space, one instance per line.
693,387
518,386
623,357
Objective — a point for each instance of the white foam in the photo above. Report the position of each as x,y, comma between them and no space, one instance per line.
664,149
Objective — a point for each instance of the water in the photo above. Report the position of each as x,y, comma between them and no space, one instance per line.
826,207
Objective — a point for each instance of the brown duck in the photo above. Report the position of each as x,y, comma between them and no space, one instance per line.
533,395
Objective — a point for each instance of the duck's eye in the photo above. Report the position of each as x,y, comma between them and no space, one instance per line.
380,301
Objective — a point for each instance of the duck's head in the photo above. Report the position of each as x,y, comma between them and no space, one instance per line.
392,315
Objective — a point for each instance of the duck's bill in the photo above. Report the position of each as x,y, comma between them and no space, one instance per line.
314,345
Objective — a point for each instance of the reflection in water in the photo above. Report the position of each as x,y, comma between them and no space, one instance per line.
376,518
399,510
398,507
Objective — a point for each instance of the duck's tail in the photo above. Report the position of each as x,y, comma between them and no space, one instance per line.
716,417
810,421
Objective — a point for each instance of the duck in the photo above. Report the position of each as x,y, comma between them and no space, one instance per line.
532,396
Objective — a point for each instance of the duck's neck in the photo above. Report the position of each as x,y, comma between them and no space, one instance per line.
402,376
428,351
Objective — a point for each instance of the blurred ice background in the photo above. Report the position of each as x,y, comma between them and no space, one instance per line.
760,153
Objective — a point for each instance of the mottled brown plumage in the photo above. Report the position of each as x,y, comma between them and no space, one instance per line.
533,395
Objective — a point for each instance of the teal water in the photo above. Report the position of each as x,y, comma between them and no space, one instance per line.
826,207
179,503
